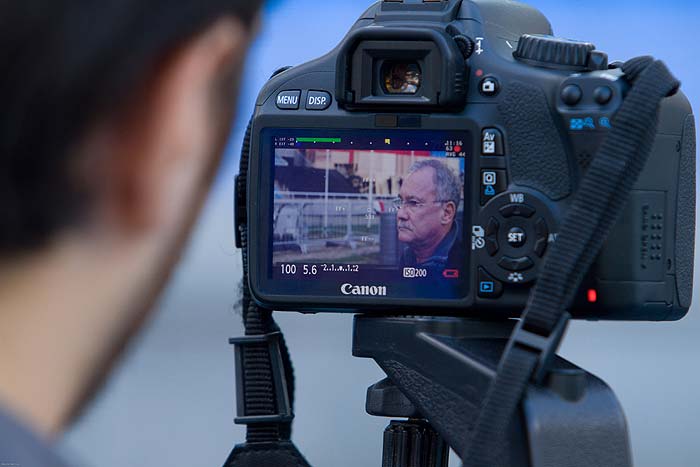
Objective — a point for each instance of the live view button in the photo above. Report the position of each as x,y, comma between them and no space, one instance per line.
288,100
318,100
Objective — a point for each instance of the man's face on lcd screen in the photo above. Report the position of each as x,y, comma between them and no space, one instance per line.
422,216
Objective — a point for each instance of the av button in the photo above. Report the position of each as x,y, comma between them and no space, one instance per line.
318,100
288,100
516,264
491,142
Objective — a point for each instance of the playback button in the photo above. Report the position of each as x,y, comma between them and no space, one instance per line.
488,287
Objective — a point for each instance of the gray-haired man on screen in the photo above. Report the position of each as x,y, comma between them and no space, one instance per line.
427,218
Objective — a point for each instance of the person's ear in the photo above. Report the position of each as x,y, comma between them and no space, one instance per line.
164,147
448,213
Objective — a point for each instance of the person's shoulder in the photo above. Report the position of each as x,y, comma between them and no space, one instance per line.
407,258
457,255
19,446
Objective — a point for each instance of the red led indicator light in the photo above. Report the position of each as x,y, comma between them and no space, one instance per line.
479,73
458,148
592,295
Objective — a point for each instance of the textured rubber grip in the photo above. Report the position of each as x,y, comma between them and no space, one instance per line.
538,158
685,217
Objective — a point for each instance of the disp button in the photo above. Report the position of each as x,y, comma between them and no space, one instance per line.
318,100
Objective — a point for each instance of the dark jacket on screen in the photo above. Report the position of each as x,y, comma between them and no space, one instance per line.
449,254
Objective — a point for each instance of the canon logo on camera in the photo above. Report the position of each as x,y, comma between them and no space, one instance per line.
368,290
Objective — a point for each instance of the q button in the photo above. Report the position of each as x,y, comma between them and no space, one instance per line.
318,100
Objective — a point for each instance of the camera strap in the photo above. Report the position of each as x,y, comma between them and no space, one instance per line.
264,373
602,195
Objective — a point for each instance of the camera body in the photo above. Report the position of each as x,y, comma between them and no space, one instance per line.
424,165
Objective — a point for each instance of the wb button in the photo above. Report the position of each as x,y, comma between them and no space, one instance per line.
318,100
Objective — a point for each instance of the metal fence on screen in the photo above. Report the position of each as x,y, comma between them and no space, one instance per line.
308,222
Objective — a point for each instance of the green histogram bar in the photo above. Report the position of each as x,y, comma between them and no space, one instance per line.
318,140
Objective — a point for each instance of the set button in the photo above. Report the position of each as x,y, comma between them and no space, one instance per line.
517,237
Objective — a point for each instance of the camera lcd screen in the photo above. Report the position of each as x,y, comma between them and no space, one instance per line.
368,213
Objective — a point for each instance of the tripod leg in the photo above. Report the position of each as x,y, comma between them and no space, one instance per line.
414,443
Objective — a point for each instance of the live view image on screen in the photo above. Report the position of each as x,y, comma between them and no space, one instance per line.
366,202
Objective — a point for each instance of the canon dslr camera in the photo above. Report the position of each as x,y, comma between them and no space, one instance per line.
425,164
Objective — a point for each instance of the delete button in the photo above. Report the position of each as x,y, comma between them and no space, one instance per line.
318,100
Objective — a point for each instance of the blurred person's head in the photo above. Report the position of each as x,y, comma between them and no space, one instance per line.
114,115
429,198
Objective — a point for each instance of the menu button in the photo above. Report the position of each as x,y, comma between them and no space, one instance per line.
288,100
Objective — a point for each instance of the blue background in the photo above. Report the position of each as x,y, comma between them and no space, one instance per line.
171,401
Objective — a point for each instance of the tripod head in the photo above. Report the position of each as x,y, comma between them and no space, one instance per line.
439,369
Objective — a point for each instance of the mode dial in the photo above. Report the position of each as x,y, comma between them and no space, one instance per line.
555,52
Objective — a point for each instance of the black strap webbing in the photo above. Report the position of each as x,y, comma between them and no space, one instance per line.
265,377
597,204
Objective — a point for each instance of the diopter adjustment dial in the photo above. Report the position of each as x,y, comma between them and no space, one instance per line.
555,52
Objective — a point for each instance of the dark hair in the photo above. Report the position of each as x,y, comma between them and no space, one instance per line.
63,64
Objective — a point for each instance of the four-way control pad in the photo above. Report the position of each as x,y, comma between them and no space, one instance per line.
518,228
